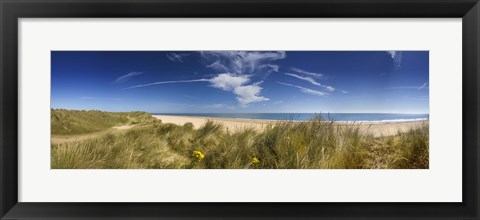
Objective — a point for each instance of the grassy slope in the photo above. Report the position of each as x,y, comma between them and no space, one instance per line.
70,122
316,144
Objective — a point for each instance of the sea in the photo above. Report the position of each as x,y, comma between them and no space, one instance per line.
339,117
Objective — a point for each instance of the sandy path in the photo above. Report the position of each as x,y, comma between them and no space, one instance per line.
58,139
123,127
376,129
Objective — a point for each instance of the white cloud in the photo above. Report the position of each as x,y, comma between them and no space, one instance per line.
246,94
241,62
312,74
306,78
312,81
126,77
272,67
329,88
169,82
306,90
344,92
237,68
218,66
397,58
177,57
228,82
249,94
392,53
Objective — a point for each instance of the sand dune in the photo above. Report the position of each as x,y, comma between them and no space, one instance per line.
58,139
377,129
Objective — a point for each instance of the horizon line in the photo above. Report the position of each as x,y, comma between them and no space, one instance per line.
152,112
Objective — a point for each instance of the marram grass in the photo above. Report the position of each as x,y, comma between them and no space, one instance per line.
69,122
316,144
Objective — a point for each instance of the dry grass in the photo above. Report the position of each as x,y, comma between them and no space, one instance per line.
316,144
70,122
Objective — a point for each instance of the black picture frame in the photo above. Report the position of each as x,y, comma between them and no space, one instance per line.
12,10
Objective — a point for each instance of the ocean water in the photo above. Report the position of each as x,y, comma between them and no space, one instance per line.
340,117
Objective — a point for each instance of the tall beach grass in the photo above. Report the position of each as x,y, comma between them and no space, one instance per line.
315,144
69,122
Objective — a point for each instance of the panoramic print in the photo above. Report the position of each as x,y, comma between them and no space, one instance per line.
239,109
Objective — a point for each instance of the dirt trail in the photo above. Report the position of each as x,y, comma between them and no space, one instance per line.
59,139
123,127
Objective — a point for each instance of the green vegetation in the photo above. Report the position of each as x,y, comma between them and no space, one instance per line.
316,144
69,122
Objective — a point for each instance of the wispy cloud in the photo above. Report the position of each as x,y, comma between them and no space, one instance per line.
236,69
306,90
423,86
305,78
392,53
270,67
312,81
397,58
168,82
242,62
126,77
245,94
177,57
217,65
308,73
344,92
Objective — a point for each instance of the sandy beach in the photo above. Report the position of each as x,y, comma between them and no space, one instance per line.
377,129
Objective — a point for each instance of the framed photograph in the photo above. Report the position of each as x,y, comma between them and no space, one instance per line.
212,110
224,109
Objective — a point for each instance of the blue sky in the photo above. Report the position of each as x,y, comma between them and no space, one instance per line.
242,81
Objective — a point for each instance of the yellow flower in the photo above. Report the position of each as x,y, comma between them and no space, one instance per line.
255,161
198,155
